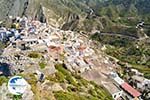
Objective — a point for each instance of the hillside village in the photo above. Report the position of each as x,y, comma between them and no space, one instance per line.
36,48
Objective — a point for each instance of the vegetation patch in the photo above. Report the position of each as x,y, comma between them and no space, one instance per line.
78,85
66,73
34,55
132,52
71,96
3,79
111,39
42,65
17,97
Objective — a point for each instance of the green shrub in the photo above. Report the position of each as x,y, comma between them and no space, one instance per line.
84,82
3,79
92,92
60,77
69,96
34,55
147,75
78,84
68,76
42,65
17,97
31,79
60,95
72,89
102,93
52,78
64,96
71,80
2,45
61,69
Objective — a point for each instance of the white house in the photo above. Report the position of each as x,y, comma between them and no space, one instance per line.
114,90
141,82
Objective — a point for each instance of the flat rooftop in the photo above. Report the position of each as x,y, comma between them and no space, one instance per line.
130,90
111,87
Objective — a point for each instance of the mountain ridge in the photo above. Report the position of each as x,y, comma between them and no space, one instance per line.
76,13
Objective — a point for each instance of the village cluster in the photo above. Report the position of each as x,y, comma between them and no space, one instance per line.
28,38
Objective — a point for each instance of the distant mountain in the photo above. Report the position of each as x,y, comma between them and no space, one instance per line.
83,15
137,6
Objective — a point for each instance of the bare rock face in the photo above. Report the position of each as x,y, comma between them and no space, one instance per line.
29,8
83,15
28,95
72,22
61,14
12,8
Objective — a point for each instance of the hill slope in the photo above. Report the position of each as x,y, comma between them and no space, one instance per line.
85,15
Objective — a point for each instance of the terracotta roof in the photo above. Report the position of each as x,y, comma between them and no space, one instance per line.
54,48
130,90
81,48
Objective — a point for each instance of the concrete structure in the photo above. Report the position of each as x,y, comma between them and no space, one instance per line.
3,35
130,91
136,72
25,43
141,83
115,91
116,78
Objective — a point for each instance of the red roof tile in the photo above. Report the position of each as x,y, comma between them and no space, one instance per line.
81,48
130,90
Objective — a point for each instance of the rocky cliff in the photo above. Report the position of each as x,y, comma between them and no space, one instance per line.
85,15
64,14
12,8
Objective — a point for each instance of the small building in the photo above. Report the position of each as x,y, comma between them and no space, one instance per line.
130,90
136,72
40,75
25,43
114,90
116,78
141,82
81,65
55,51
56,48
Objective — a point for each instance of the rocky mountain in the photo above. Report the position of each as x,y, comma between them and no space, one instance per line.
84,15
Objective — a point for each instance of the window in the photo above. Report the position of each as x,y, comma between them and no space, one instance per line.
34,41
114,96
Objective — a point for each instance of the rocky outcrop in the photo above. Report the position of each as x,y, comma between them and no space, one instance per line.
83,15
40,15
12,8
28,95
16,8
72,22
65,14
4,93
